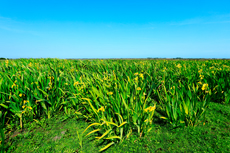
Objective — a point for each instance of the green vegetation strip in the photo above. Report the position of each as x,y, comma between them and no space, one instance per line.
114,102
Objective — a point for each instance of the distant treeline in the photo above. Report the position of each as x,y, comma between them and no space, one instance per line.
148,58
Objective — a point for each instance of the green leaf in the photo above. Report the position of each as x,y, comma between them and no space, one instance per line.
107,146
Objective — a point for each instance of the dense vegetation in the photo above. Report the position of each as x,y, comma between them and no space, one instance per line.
117,98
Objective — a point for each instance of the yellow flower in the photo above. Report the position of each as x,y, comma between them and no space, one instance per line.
138,88
23,112
150,108
23,106
66,83
109,93
101,109
179,66
20,95
201,77
141,75
136,79
12,85
200,70
30,107
205,86
30,64
76,83
25,101
199,82
136,73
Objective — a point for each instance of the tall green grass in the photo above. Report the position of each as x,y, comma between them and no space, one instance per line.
117,97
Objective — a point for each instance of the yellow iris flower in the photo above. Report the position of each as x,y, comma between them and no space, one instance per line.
101,109
205,86
76,83
179,66
109,93
150,108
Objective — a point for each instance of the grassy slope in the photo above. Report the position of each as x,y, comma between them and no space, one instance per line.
60,135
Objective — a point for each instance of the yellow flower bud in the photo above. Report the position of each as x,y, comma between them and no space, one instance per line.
101,109
109,93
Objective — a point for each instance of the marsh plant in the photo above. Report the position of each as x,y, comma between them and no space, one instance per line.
117,97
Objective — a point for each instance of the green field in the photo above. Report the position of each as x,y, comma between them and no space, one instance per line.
53,105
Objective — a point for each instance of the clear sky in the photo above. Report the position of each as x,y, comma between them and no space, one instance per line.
114,28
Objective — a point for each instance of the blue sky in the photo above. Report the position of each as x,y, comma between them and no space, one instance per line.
114,29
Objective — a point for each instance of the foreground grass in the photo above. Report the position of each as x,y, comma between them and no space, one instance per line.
54,135
59,134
